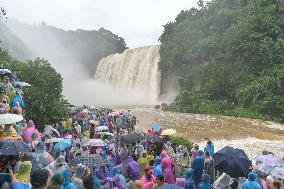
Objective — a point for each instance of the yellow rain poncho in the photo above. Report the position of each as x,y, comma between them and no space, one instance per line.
23,175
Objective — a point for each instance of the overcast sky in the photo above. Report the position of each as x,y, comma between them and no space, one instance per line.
139,22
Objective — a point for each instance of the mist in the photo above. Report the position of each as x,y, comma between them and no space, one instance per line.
76,61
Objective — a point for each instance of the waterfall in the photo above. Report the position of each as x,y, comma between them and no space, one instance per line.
134,69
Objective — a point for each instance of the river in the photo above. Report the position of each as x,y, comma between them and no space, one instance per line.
252,135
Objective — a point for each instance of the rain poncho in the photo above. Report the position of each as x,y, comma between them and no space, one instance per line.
205,184
198,166
39,158
23,175
31,131
189,183
157,166
209,148
67,181
119,181
18,99
142,161
123,155
251,182
167,169
148,178
132,169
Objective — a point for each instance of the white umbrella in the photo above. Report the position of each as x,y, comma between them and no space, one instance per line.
53,140
102,128
4,71
95,142
10,118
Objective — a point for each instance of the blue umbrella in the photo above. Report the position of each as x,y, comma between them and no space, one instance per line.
62,145
232,161
157,127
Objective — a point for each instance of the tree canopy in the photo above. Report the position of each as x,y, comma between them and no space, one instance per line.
223,53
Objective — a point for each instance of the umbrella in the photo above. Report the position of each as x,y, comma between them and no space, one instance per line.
10,118
53,140
278,172
154,138
156,127
102,128
232,161
22,84
95,142
132,138
108,133
116,113
89,160
62,145
168,132
13,147
5,71
269,160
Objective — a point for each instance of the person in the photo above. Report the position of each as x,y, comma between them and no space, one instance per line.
198,166
25,169
67,181
194,152
123,155
209,166
39,179
189,183
132,169
142,161
148,176
251,182
56,181
157,166
183,162
39,158
167,169
80,173
159,182
205,184
209,148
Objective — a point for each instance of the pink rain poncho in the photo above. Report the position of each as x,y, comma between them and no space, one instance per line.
167,168
31,131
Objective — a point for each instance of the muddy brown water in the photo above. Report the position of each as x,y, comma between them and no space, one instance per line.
250,134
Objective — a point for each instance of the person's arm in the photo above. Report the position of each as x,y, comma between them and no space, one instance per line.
13,178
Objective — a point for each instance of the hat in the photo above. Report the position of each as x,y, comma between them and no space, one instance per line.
200,152
24,172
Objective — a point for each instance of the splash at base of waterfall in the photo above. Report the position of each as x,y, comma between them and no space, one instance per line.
134,71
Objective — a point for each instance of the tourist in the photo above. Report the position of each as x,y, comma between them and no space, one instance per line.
251,182
209,148
205,184
56,181
194,152
159,182
198,166
189,182
209,167
167,168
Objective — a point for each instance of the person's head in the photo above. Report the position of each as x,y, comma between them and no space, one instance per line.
206,178
251,176
207,154
200,153
56,181
185,154
160,180
88,182
39,179
80,170
209,142
196,147
12,160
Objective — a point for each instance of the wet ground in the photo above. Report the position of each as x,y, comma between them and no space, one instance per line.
250,134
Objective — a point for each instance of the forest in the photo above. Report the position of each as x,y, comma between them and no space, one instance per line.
227,56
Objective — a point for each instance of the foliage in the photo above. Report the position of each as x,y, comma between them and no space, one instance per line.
181,141
44,101
227,56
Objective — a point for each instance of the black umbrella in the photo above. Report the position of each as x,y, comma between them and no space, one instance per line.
132,138
89,160
154,138
232,161
13,147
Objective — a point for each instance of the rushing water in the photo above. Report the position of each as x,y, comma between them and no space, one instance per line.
252,135
134,69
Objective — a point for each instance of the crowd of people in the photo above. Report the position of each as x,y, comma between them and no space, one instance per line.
101,148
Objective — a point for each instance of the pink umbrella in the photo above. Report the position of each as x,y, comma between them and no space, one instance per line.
269,160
